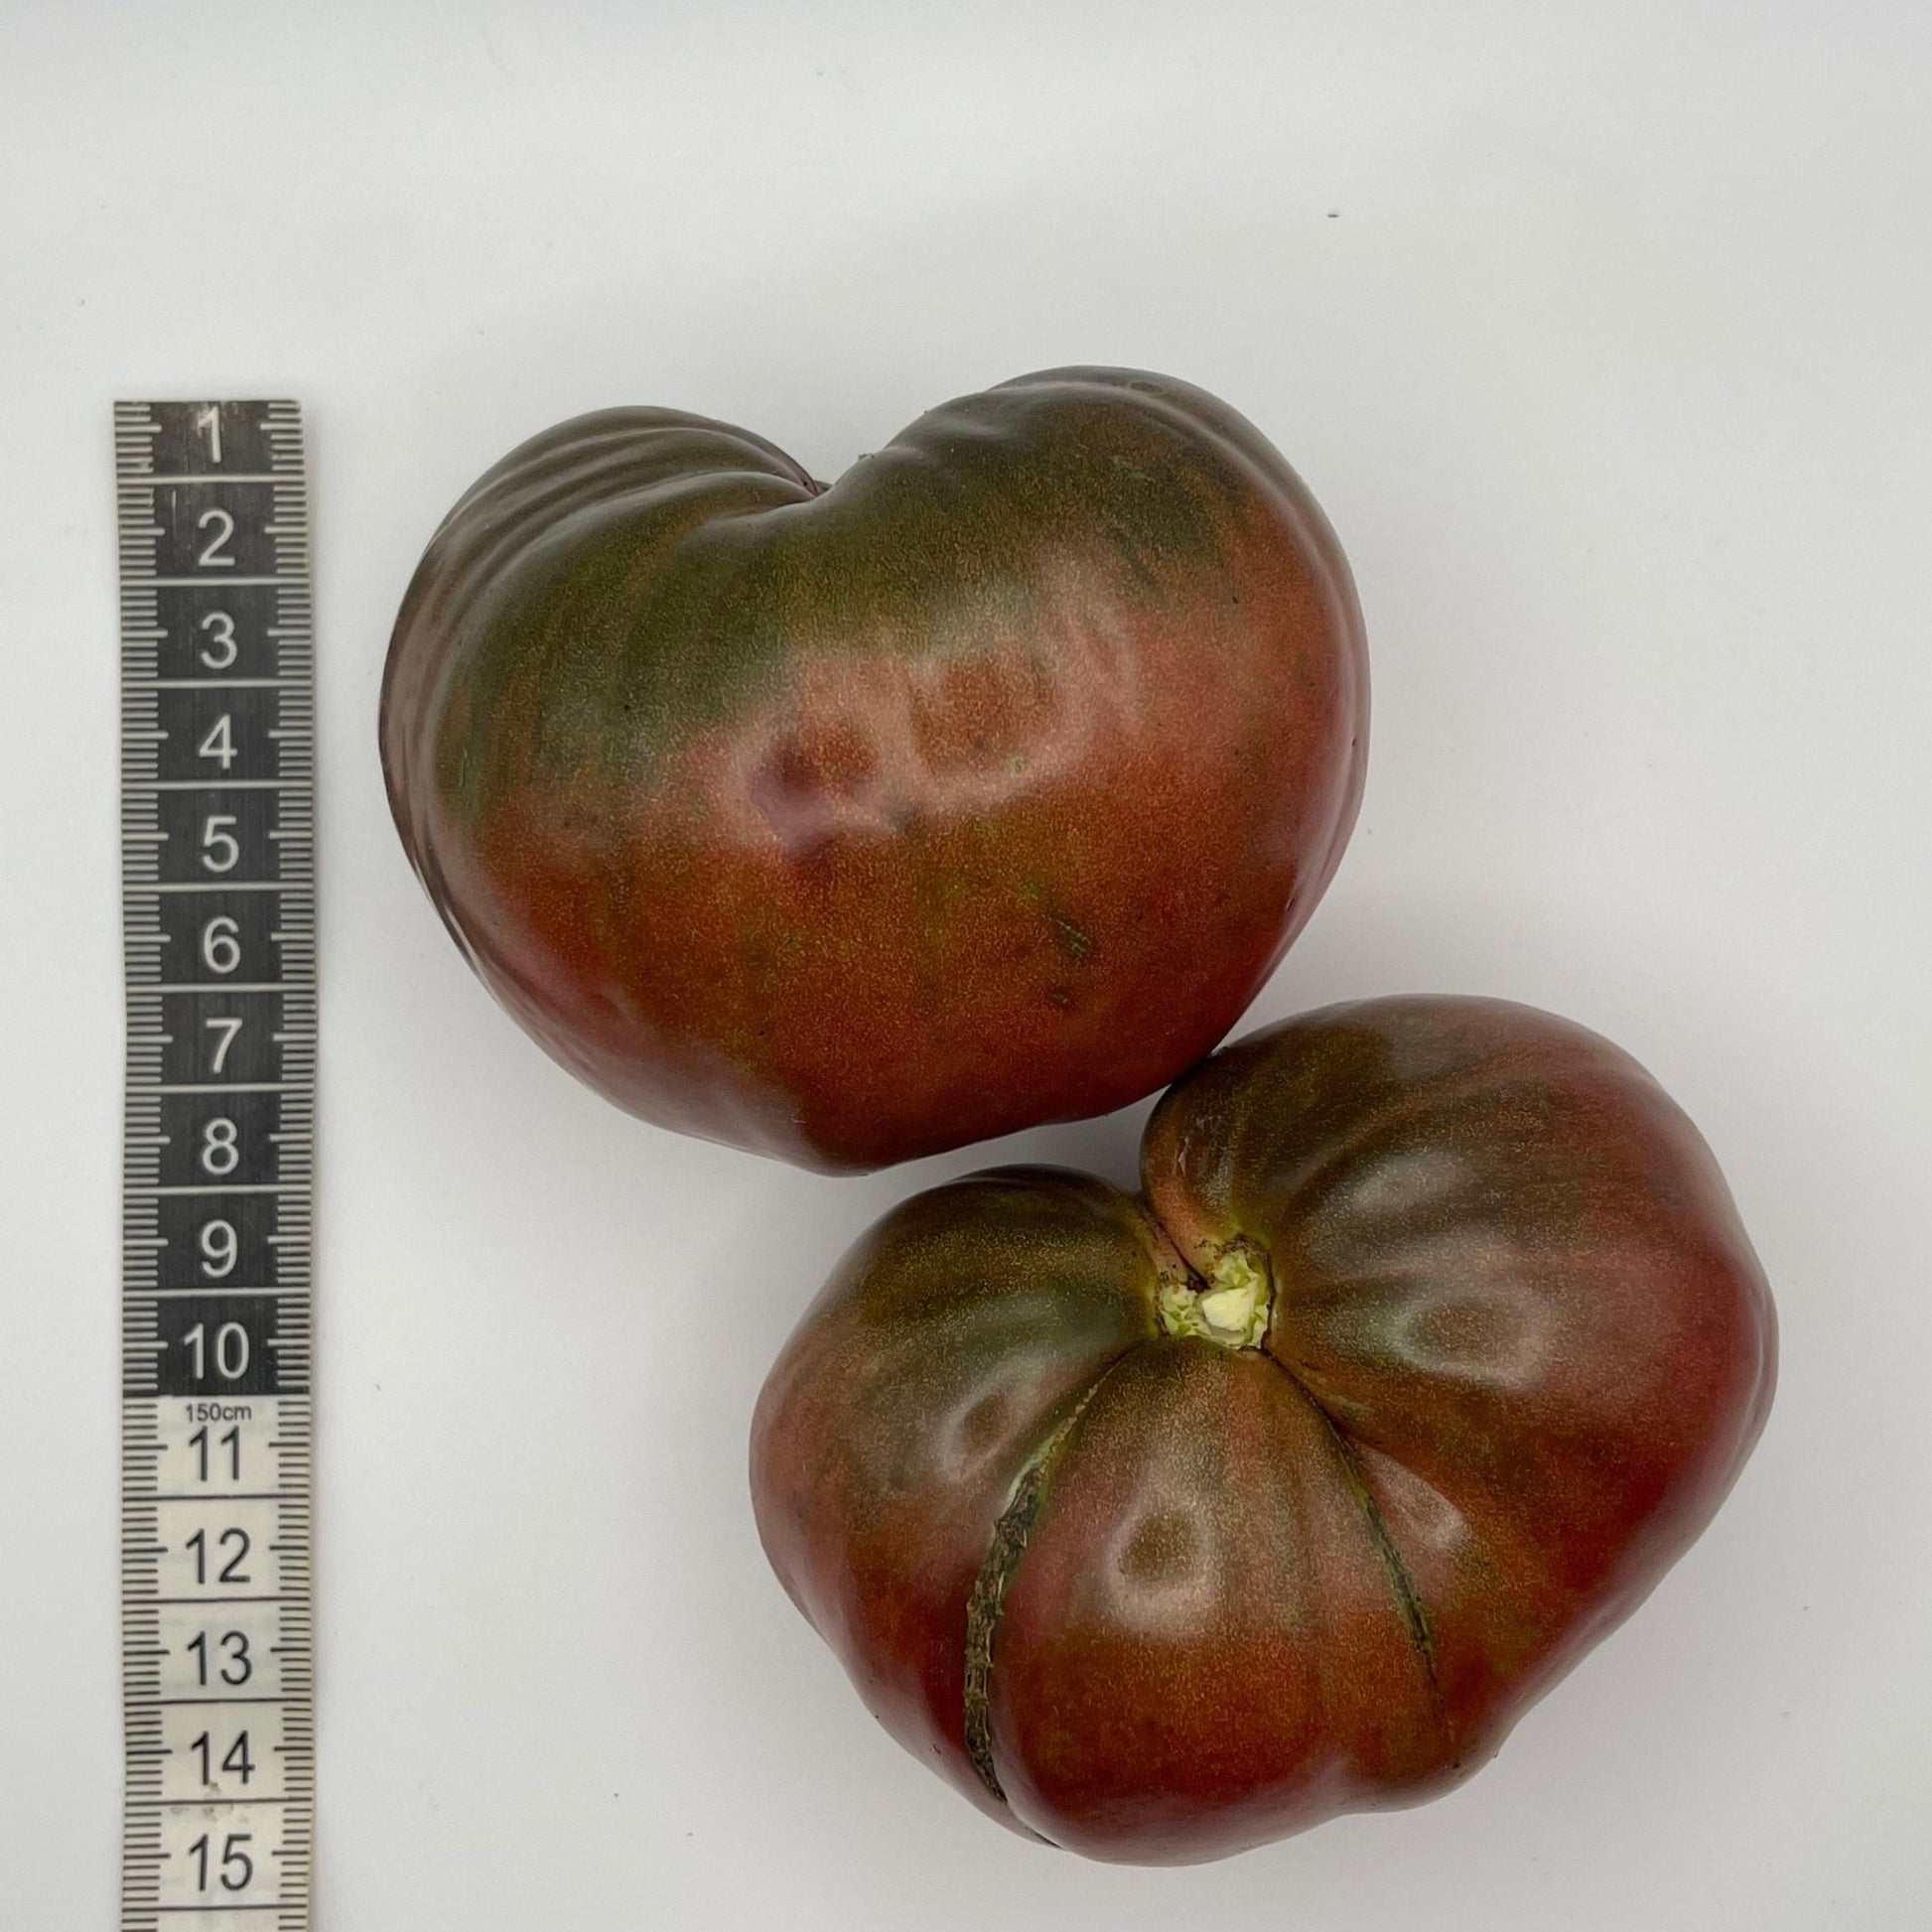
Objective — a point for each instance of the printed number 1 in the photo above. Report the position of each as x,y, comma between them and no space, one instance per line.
207,419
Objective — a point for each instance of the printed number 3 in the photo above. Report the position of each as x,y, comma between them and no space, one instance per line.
221,648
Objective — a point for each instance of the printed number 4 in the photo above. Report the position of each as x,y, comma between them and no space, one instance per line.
218,745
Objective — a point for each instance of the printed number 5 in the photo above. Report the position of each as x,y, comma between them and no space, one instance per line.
216,840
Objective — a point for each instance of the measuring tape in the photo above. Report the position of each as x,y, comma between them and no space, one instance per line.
218,901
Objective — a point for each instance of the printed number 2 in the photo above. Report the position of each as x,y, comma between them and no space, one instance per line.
213,553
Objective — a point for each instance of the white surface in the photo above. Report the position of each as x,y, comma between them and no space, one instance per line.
1601,334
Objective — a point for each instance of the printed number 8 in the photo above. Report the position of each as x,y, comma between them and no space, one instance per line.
219,1151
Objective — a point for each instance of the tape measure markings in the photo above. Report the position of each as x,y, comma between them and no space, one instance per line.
218,892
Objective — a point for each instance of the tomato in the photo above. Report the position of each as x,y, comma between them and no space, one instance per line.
982,787
1163,1526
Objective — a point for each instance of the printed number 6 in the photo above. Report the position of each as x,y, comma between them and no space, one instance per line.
221,944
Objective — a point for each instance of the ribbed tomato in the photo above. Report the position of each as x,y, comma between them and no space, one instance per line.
981,788
1166,1525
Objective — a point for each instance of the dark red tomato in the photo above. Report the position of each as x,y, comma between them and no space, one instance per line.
1167,1526
982,787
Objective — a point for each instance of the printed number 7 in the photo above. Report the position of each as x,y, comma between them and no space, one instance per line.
228,1026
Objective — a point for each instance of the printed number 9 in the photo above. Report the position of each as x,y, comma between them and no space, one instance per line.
218,1246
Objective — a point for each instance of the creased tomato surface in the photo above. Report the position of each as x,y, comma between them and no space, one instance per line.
1163,1526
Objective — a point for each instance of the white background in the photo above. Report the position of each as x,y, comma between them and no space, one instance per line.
1600,331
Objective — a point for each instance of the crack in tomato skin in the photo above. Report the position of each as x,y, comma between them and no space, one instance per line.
1004,1551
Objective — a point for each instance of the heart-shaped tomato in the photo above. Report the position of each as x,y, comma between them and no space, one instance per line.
982,787
1168,1526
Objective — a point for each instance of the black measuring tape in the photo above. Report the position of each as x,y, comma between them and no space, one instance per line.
218,919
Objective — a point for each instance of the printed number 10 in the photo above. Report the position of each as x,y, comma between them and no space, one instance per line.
231,1350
